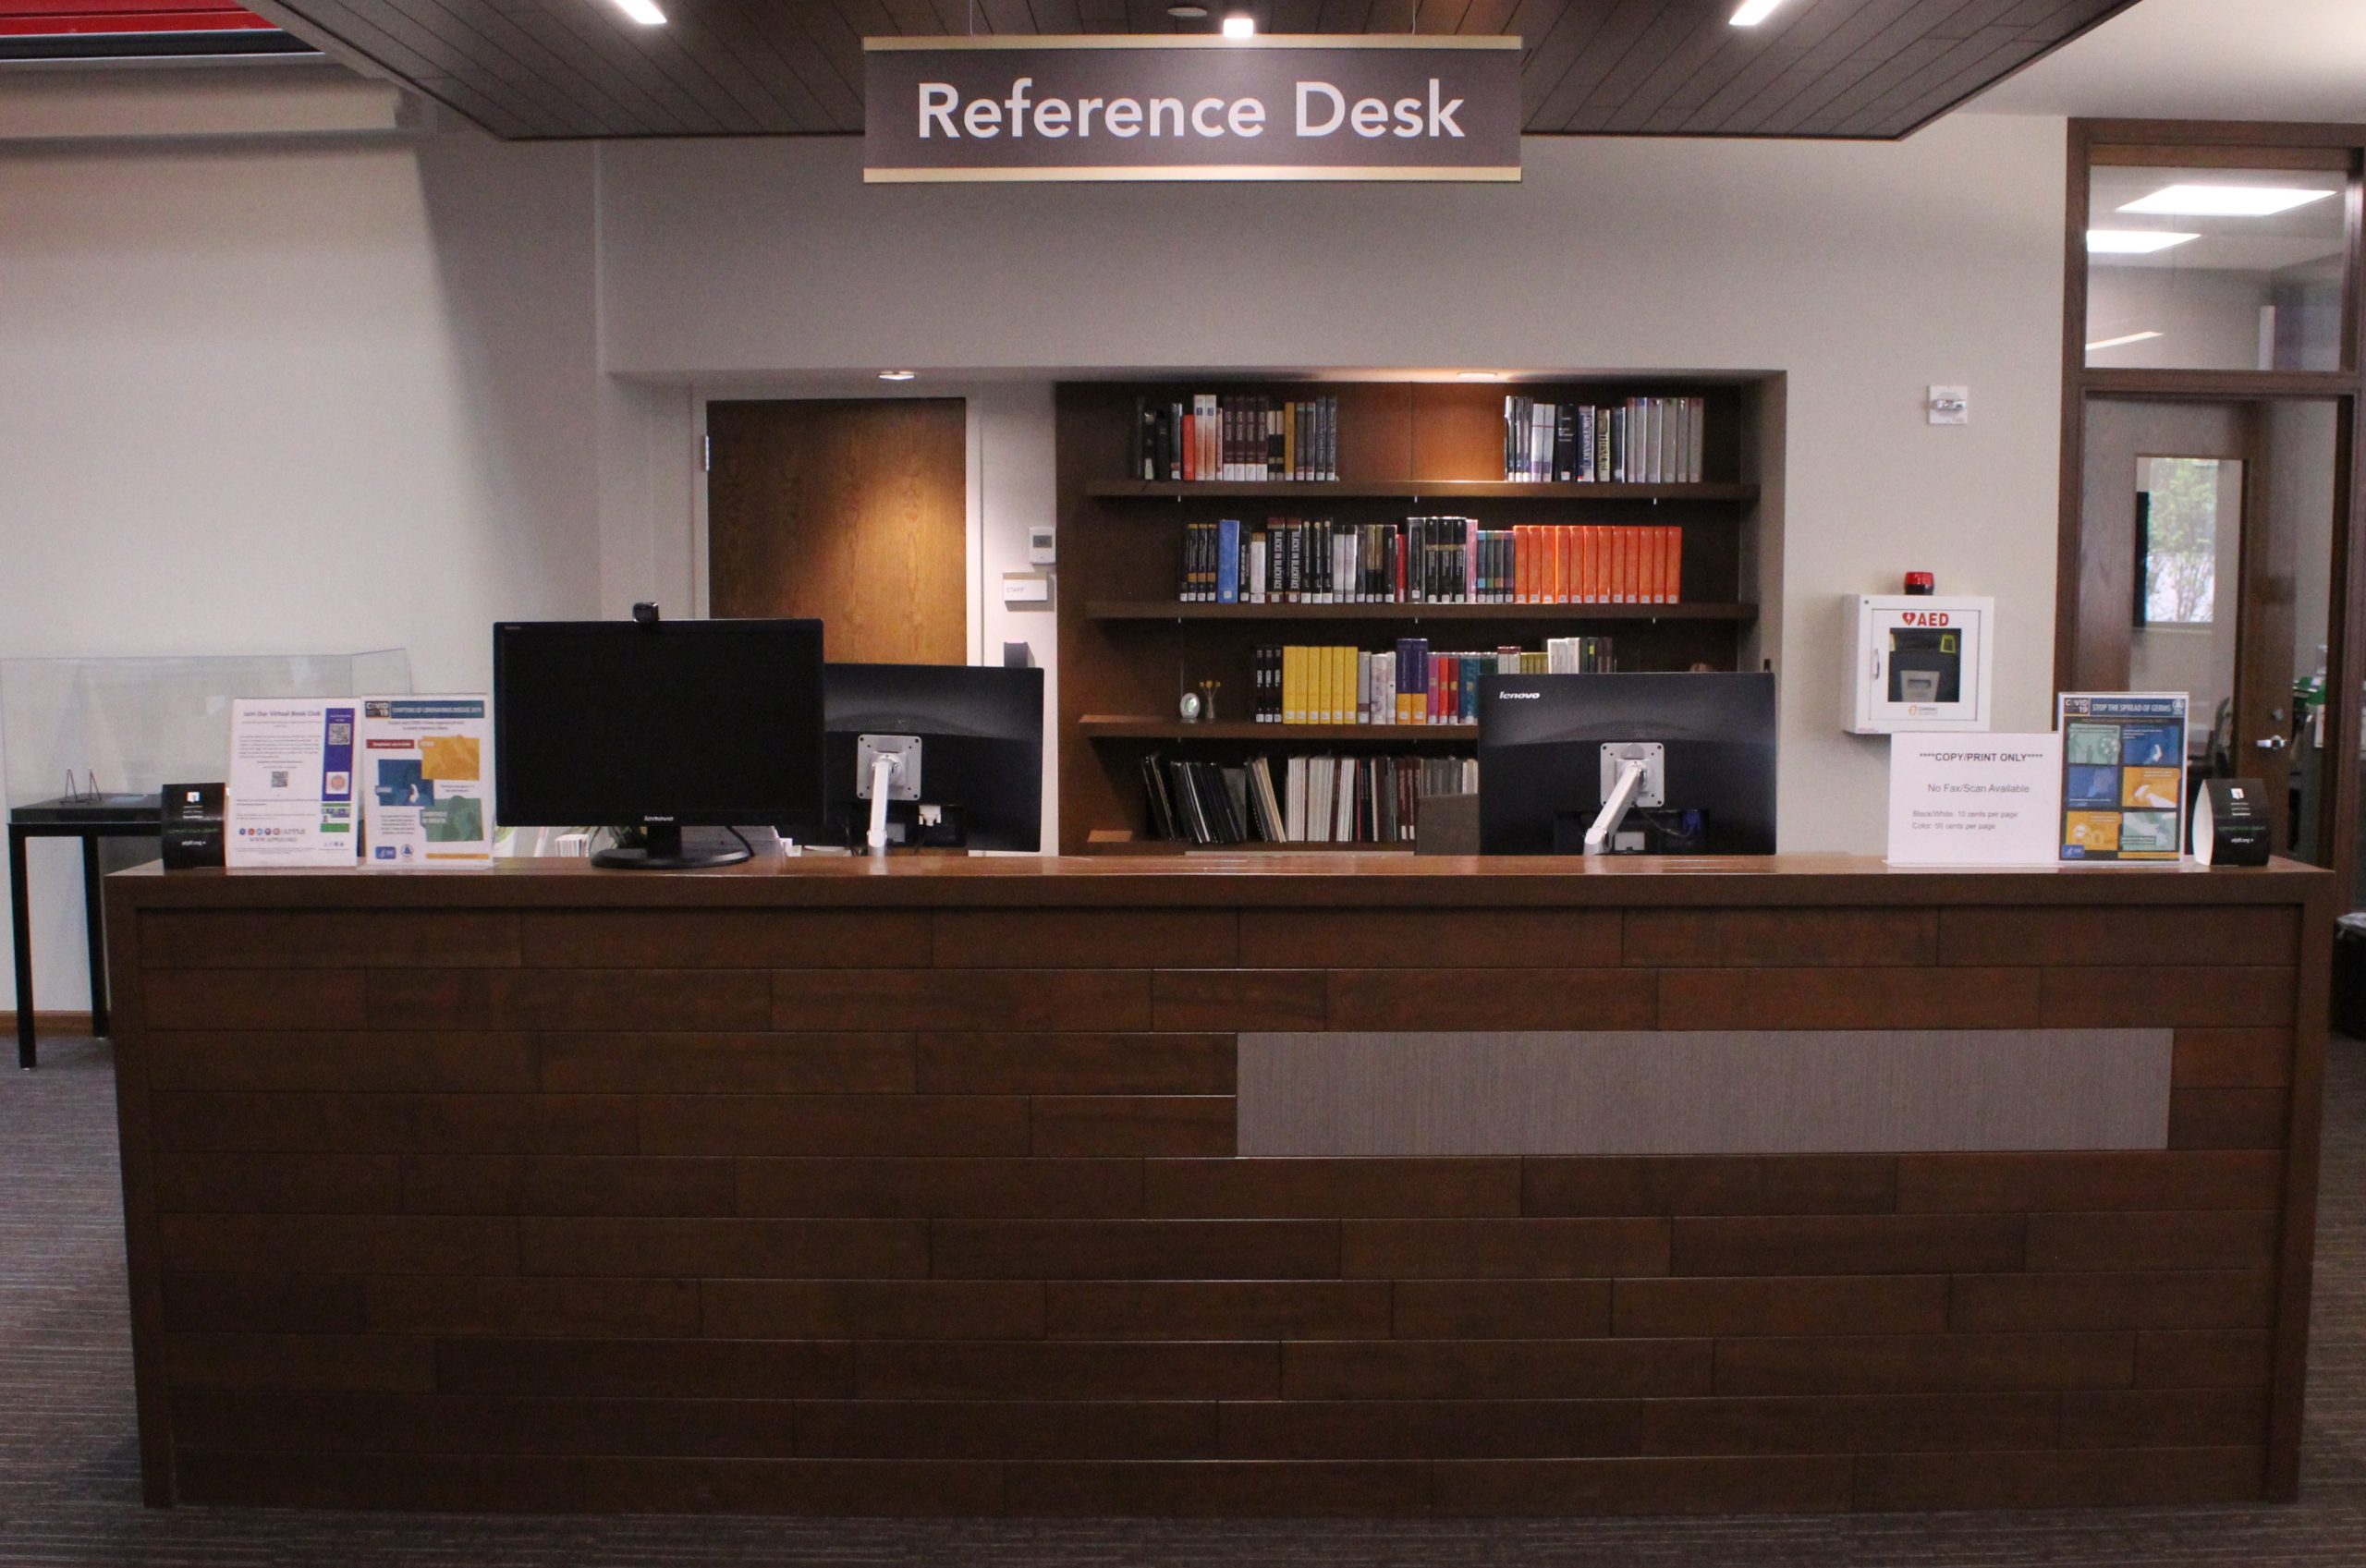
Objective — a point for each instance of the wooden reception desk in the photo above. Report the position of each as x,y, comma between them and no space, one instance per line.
1225,1185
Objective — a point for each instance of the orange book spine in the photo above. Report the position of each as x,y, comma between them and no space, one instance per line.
1675,564
1647,571
1590,573
1625,583
1564,576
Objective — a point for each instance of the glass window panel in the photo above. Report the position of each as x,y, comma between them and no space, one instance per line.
2214,269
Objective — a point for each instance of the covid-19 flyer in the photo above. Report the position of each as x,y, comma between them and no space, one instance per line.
427,782
2123,776
290,800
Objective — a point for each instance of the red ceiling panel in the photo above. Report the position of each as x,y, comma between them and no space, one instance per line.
61,19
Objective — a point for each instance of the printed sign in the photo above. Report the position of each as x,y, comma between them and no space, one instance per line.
1973,799
2123,776
427,782
290,795
1197,107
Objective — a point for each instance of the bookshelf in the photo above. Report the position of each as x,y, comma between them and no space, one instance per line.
1128,647
1565,615
1406,490
1104,727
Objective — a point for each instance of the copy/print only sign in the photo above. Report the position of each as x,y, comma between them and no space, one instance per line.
1329,107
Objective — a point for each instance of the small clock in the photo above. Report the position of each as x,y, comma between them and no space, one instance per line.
1190,707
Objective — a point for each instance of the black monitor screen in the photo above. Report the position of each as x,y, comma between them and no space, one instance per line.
611,724
981,733
1541,740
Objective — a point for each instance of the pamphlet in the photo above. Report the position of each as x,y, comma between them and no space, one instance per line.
1962,799
427,782
2123,776
290,799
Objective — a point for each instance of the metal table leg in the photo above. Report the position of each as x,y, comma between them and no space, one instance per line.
94,919
21,916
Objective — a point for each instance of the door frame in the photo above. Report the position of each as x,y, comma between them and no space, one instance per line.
973,572
2234,144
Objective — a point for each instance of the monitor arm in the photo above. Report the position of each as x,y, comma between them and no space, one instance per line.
1615,807
884,768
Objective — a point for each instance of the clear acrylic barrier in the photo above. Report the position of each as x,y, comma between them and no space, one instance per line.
138,724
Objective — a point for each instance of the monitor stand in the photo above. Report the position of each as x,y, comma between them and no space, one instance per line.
664,853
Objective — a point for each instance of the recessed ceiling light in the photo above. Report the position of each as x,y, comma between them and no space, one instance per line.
2226,200
645,12
1186,13
1480,375
2133,241
2123,341
1753,12
898,375
1240,25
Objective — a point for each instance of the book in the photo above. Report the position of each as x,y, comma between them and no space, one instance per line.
1234,436
1638,440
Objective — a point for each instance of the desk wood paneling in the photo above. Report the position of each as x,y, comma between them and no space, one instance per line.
828,1189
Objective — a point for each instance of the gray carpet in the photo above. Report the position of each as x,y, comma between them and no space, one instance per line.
70,1475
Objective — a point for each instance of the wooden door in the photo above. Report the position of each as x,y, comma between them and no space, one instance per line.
852,510
2189,572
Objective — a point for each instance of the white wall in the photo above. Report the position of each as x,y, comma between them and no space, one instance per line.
1866,271
311,396
307,398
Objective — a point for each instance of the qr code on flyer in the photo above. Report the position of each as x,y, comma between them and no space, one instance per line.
280,778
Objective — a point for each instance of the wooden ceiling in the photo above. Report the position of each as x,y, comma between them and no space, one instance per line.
558,69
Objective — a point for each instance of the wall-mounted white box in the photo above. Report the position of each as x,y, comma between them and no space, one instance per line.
1918,661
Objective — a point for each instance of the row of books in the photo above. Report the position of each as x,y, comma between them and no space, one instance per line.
1227,436
1642,441
1300,799
1408,684
1430,560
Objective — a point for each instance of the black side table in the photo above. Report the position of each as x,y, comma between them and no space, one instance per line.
90,820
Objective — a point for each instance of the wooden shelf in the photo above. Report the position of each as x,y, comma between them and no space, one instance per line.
1177,610
1107,840
1408,490
1099,726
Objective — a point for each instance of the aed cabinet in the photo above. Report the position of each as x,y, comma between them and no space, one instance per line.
1917,661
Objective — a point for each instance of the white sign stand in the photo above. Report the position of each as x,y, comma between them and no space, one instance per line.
1974,800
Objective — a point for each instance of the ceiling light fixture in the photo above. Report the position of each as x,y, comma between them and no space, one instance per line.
1753,12
1186,13
2122,342
2226,200
1479,376
898,375
645,12
2133,241
1240,24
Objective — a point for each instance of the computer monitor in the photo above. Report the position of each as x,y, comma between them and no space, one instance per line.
1552,748
969,744
657,724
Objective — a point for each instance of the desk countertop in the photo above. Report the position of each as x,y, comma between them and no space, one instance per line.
1269,879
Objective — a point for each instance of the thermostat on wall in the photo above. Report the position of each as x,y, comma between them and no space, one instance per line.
1041,548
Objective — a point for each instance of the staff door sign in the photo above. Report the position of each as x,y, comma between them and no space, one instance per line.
1166,108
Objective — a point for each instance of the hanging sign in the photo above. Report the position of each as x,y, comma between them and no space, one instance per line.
1167,107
